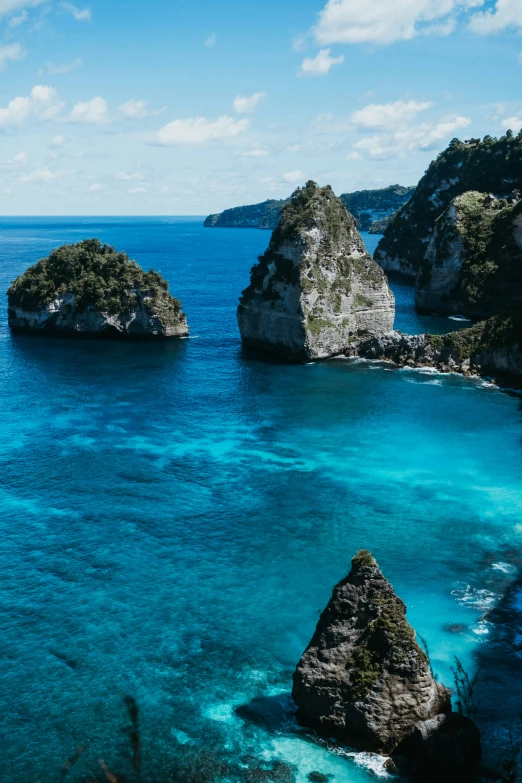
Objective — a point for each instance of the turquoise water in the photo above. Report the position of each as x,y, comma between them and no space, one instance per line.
174,516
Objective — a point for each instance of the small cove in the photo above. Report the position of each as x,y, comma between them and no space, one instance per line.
174,517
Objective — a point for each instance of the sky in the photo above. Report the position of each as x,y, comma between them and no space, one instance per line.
186,107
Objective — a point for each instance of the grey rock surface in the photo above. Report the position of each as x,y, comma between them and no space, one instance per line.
316,289
60,316
490,347
363,678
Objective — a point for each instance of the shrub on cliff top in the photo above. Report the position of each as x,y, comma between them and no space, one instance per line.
97,275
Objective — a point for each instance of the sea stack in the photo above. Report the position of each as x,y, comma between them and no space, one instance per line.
315,290
365,680
91,290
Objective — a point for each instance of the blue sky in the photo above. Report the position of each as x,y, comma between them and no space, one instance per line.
192,106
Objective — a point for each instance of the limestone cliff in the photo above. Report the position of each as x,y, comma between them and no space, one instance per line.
473,262
89,289
315,289
489,165
363,678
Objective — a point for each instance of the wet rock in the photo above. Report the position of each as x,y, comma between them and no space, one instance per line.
445,749
492,346
318,777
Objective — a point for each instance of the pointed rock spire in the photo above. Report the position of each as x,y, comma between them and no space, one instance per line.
363,678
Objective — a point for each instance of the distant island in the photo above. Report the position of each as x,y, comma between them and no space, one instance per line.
92,290
370,208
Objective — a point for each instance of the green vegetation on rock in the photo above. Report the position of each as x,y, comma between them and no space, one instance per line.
489,165
98,276
310,208
503,331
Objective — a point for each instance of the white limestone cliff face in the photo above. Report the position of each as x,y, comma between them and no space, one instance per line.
316,289
61,316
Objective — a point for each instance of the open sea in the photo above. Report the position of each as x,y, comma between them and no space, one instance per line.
174,516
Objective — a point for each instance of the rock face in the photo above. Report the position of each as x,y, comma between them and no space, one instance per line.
91,290
315,289
489,347
473,261
363,678
490,166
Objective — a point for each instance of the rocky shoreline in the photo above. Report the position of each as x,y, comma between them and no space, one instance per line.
489,347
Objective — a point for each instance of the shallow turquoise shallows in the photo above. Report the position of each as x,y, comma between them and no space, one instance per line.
174,516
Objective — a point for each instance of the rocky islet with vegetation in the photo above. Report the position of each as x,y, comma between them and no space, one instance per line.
90,289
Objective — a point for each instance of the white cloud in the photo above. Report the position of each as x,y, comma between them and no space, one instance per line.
15,21
139,189
19,160
385,21
39,175
255,154
244,105
80,14
57,141
56,70
211,40
10,6
320,64
126,176
353,156
293,148
200,130
93,112
293,176
10,53
506,13
511,123
388,115
41,102
95,187
132,109
409,138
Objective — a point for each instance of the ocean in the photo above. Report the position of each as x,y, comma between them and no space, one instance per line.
174,517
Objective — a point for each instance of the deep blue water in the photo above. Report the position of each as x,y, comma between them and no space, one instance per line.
173,517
